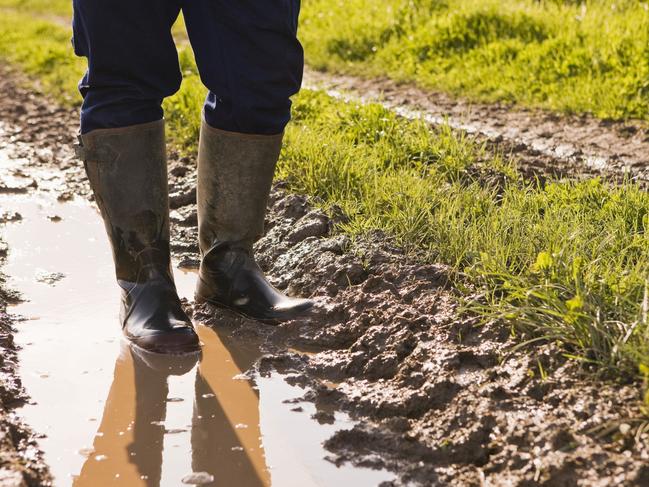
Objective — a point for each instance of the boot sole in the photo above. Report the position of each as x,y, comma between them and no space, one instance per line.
217,304
177,352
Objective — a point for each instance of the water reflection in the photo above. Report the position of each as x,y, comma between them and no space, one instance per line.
226,438
226,445
151,420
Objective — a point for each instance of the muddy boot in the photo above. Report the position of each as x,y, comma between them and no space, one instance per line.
235,173
127,170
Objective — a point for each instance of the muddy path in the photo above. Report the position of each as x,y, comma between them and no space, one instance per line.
20,461
438,400
543,143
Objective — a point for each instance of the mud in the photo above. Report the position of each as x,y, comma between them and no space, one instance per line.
544,144
20,463
145,420
439,400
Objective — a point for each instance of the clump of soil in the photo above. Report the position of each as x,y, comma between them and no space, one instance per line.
440,400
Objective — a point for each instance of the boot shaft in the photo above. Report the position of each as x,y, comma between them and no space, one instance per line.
127,170
235,175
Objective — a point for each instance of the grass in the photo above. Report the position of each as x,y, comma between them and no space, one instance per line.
570,56
567,261
43,50
46,8
563,55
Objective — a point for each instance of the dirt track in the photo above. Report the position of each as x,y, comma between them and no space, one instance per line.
544,143
442,402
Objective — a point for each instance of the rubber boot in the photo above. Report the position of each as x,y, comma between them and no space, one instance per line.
127,170
235,174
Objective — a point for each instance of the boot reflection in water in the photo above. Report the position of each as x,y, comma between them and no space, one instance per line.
250,60
226,437
129,444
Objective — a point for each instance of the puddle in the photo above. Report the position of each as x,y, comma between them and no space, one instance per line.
108,416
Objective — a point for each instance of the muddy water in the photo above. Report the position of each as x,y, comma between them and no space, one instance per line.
110,416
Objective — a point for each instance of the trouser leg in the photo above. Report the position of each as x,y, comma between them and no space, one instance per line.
132,60
249,58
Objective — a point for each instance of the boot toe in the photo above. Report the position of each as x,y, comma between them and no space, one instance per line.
176,341
288,309
294,305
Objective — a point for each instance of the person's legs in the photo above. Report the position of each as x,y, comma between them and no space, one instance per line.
132,60
132,65
251,61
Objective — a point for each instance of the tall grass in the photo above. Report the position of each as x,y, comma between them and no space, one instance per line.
573,56
566,261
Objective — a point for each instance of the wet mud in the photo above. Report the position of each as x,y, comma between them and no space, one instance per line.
149,420
436,399
107,414
544,144
20,462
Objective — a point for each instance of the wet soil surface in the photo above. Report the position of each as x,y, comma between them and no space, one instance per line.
544,144
20,462
438,400
148,420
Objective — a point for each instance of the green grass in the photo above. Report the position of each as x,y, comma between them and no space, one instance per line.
43,50
53,8
571,56
568,261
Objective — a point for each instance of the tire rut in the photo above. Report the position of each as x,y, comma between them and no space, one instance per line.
543,143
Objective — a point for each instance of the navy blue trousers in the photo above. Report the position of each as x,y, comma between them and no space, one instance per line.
246,51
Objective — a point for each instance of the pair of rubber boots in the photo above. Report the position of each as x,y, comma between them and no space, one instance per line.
127,169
